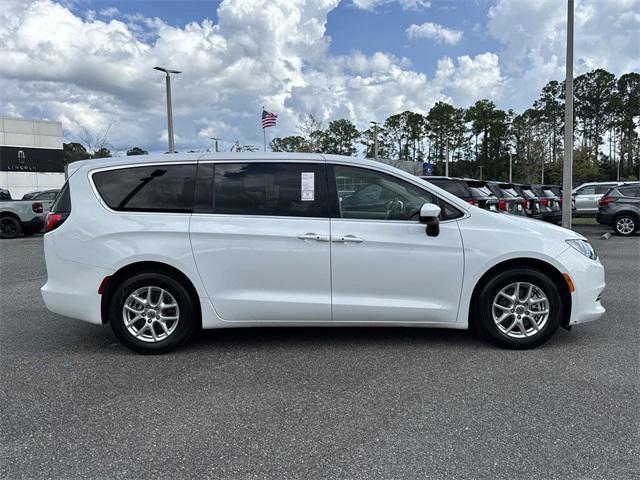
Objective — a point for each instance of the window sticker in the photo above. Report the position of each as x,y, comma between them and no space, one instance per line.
307,181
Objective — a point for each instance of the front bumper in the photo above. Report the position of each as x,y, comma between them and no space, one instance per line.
588,278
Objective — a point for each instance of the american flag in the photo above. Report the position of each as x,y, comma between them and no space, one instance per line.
268,119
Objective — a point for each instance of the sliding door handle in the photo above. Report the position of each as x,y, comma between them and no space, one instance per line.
347,239
313,237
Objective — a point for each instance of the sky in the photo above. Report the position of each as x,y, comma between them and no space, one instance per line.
89,63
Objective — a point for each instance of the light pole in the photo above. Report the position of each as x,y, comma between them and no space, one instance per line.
375,141
567,170
172,147
480,167
510,168
215,142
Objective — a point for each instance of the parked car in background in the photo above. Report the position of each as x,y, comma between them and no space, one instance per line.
620,208
45,196
508,199
5,194
20,217
532,201
587,195
550,202
170,243
471,191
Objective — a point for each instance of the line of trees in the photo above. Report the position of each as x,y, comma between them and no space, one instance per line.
606,134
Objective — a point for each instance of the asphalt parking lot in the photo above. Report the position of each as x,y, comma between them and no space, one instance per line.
321,402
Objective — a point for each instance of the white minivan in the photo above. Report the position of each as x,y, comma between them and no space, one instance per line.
160,245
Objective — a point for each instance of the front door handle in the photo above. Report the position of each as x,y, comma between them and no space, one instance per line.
313,237
347,239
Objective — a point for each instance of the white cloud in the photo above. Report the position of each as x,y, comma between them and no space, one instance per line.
89,72
404,4
435,32
533,37
473,78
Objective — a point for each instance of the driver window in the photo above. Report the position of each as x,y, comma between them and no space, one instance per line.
371,195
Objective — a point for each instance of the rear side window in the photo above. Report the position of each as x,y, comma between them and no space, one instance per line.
601,189
631,191
272,189
157,188
62,203
590,190
459,189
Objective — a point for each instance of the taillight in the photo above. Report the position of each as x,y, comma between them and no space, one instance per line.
472,202
54,220
607,200
544,201
36,207
502,204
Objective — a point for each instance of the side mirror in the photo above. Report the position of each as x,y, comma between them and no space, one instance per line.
429,214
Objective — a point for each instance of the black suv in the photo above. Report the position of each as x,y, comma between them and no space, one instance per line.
509,200
532,204
472,191
620,208
550,202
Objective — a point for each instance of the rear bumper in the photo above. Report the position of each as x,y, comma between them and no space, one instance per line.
604,218
34,225
72,288
588,278
552,217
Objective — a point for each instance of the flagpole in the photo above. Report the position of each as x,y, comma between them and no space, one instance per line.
264,133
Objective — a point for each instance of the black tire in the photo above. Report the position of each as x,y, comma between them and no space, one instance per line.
185,308
10,227
483,312
625,225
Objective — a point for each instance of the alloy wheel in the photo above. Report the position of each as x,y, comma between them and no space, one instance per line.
520,310
150,314
625,226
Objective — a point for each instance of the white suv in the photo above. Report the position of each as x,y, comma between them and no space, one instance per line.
160,245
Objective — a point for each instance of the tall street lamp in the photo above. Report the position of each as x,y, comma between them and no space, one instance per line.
375,144
172,146
567,170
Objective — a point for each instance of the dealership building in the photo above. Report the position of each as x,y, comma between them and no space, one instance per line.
31,156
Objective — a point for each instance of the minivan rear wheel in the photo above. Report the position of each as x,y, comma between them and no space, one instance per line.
151,313
518,309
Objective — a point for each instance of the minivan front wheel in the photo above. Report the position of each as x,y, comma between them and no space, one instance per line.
151,313
519,308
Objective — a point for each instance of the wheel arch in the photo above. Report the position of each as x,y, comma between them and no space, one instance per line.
8,213
540,265
132,269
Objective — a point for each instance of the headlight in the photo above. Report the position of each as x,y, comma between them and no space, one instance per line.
584,248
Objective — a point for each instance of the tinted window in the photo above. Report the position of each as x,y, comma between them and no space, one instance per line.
280,189
62,203
631,191
367,194
158,188
601,189
590,190
481,192
459,189
46,196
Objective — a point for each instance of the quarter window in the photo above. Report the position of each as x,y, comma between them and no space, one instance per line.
367,194
273,189
158,188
